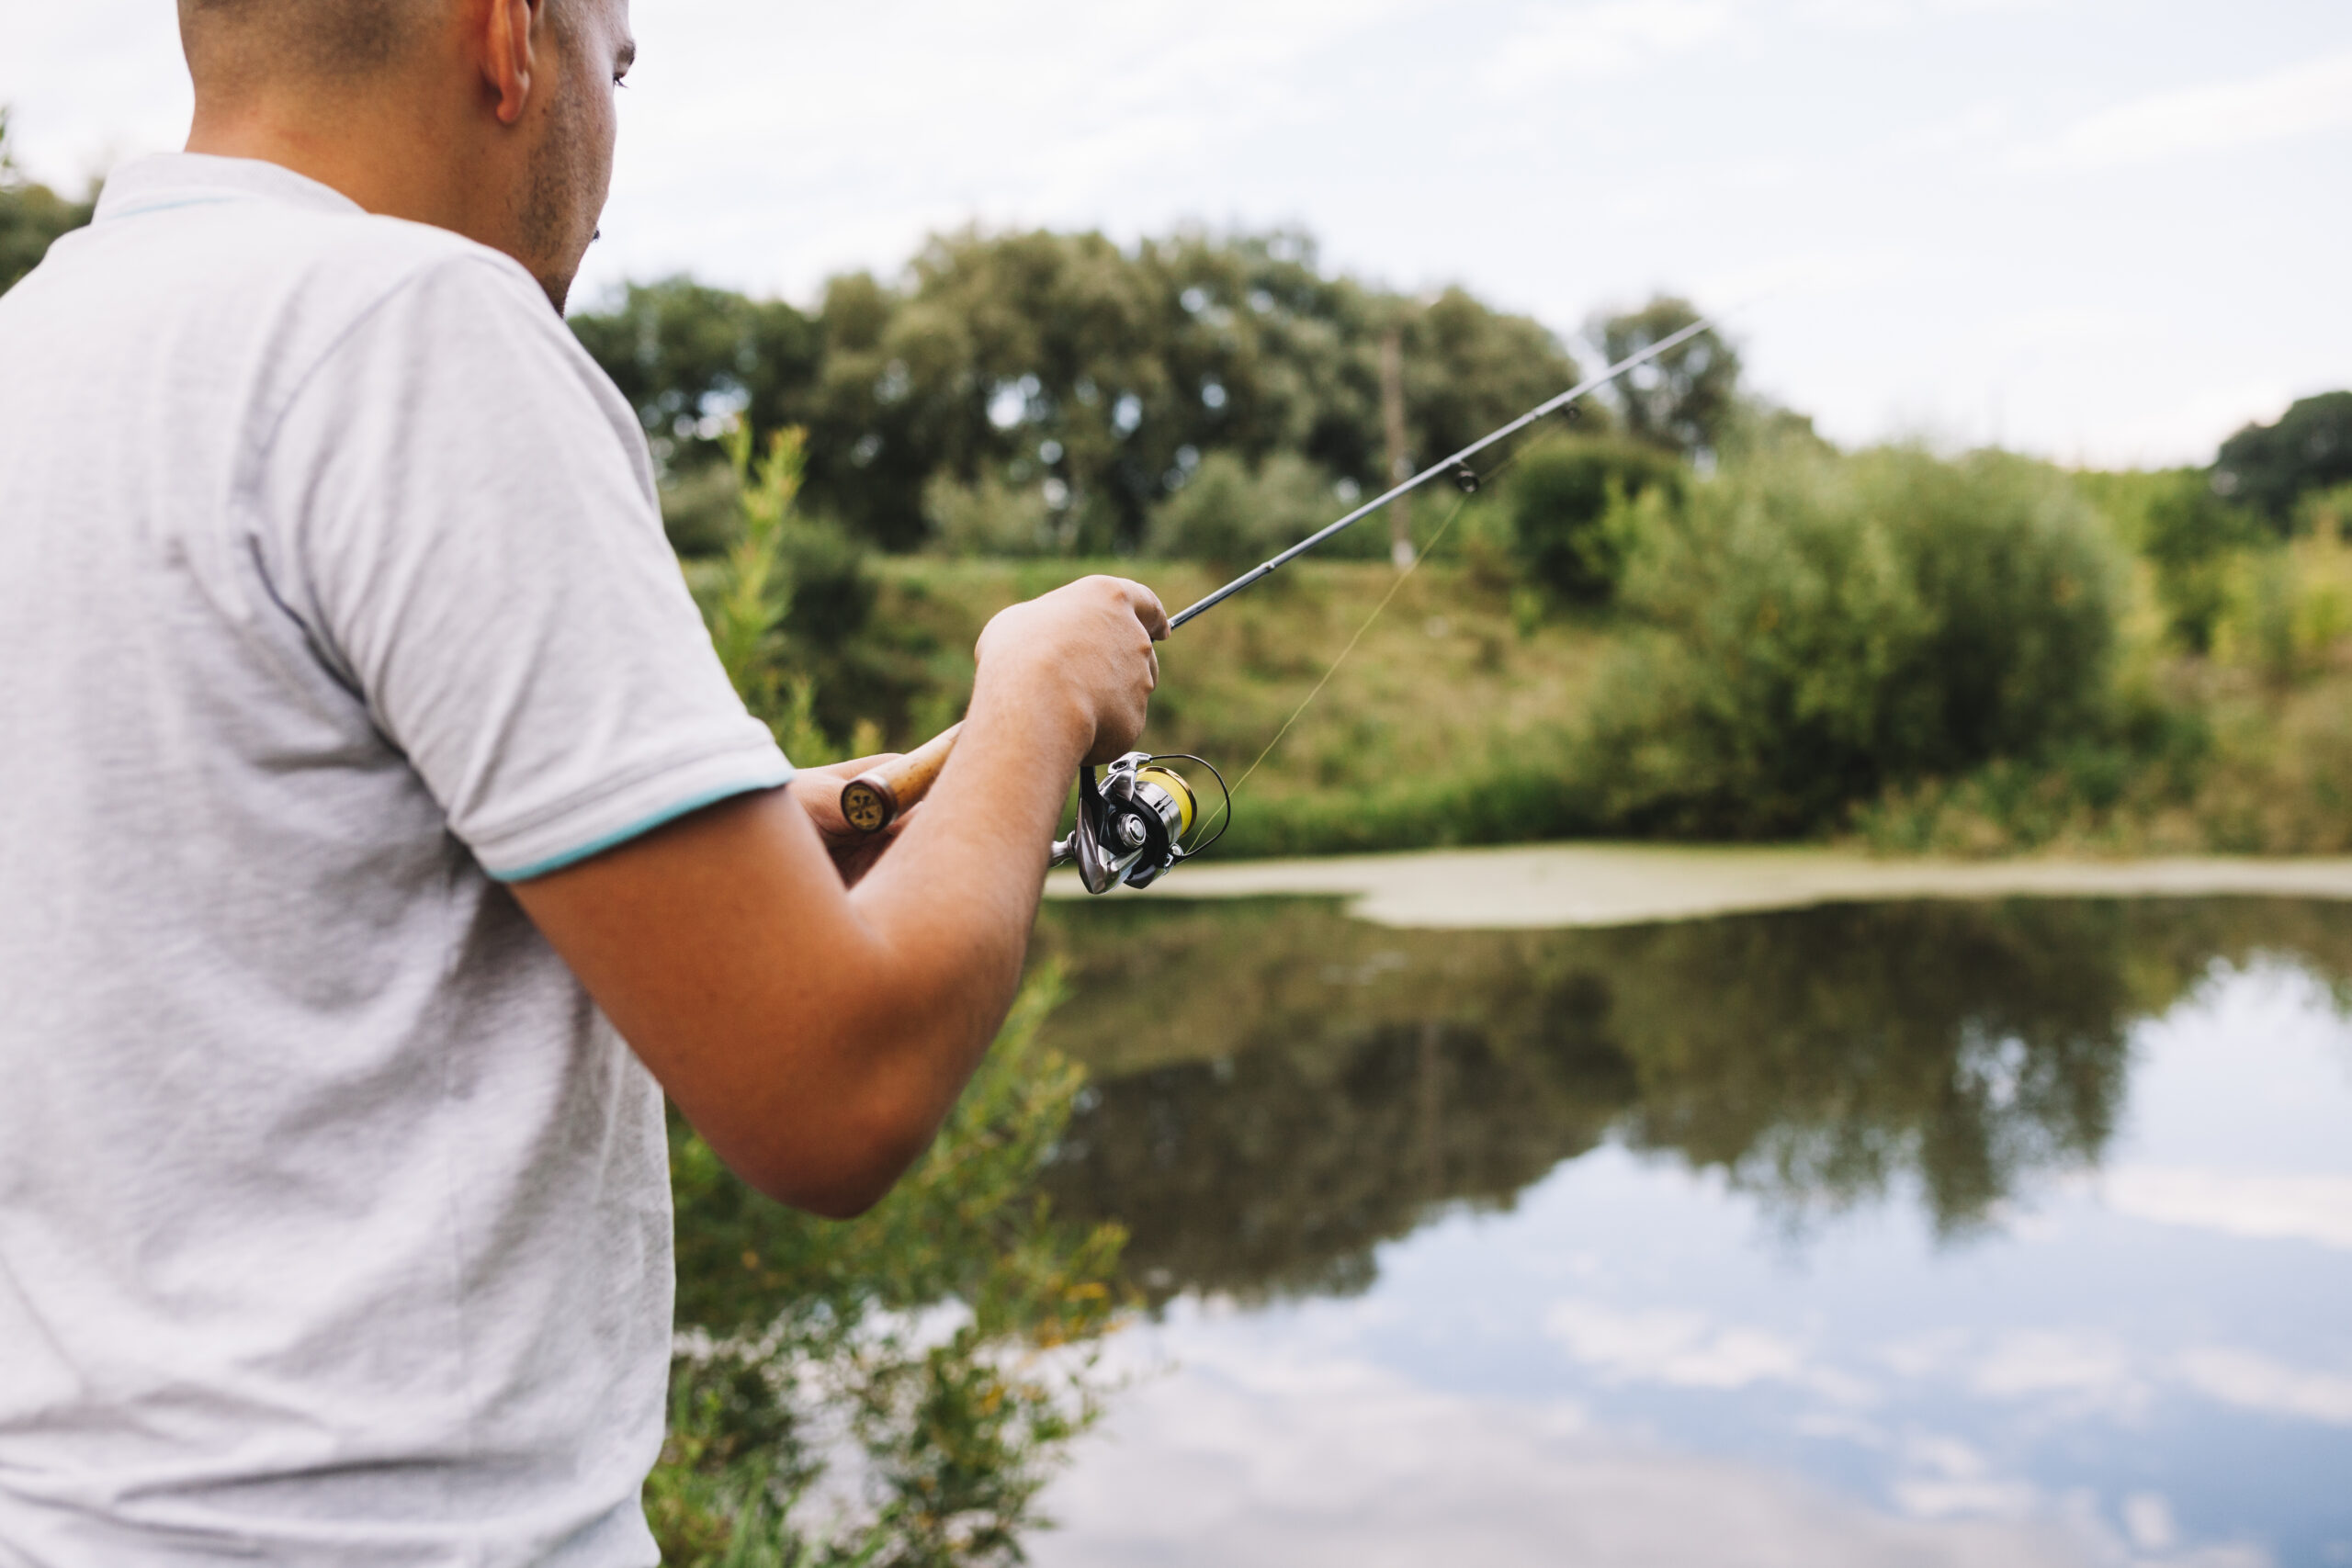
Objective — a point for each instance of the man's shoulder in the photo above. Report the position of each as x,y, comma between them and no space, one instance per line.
244,280
334,269
330,275
364,254
231,247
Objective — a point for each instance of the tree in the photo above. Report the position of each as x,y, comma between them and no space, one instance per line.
2271,466
690,359
31,216
1062,377
1561,504
1044,360
1686,399
1469,368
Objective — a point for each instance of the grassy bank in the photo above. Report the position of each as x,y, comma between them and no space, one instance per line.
1449,723
1976,656
1457,721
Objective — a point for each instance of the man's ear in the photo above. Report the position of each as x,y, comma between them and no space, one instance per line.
507,54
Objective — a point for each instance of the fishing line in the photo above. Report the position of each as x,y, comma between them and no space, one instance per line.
1419,556
1134,821
1377,611
1443,468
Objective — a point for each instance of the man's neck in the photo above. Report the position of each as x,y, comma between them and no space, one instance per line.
390,162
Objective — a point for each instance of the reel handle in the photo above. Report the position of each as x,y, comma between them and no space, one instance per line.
873,800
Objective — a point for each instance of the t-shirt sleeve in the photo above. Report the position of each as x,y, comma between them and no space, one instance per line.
468,514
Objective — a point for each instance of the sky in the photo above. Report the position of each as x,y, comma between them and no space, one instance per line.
2110,231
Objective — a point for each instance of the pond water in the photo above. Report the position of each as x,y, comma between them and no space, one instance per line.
1906,1233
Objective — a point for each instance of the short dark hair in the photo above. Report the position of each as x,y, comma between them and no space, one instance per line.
330,40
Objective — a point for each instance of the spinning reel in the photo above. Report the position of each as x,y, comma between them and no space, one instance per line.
1132,825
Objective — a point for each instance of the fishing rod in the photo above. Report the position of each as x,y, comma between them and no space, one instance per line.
1132,823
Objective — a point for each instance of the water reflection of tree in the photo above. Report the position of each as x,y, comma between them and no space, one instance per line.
1279,1169
1277,1087
1824,1055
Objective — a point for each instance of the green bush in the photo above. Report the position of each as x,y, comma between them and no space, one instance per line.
2325,511
2190,535
1231,514
1808,633
2287,608
790,607
1568,507
989,518
702,510
935,1359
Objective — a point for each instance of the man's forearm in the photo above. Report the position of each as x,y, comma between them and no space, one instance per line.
815,1035
953,904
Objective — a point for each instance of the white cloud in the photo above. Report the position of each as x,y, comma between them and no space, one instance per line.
1603,39
2257,1382
1931,1353
2297,101
2147,1517
1686,1350
2270,1208
1256,1455
2073,1375
92,83
1682,1350
2079,1372
1878,15
1752,283
1948,1479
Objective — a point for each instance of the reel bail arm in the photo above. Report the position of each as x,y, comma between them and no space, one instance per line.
1131,826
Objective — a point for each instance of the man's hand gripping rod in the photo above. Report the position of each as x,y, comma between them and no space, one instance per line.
1131,826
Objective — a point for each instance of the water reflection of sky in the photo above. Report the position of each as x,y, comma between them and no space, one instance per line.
1637,1362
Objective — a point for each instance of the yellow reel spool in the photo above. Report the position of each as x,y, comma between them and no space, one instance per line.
1187,808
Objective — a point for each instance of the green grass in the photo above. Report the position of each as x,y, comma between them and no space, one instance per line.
1447,724
1458,718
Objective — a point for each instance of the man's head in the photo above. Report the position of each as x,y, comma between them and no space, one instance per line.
493,118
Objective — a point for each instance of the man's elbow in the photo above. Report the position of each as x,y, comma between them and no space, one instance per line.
850,1163
845,1194
834,1117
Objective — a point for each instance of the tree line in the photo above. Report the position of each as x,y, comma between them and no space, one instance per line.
1052,393
1069,386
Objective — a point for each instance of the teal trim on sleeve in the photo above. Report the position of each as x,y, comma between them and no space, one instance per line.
638,829
168,207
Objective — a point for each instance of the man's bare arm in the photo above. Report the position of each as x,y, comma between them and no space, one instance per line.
817,1034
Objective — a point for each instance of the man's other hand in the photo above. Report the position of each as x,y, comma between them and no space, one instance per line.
819,791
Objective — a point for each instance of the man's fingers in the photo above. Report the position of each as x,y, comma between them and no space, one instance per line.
1149,610
1110,748
855,766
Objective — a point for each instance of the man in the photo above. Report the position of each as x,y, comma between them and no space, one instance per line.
360,755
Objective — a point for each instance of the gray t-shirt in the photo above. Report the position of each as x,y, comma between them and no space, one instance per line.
335,1221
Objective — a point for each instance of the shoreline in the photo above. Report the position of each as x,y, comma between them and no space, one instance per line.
1551,886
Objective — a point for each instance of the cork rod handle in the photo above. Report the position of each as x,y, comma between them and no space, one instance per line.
874,799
